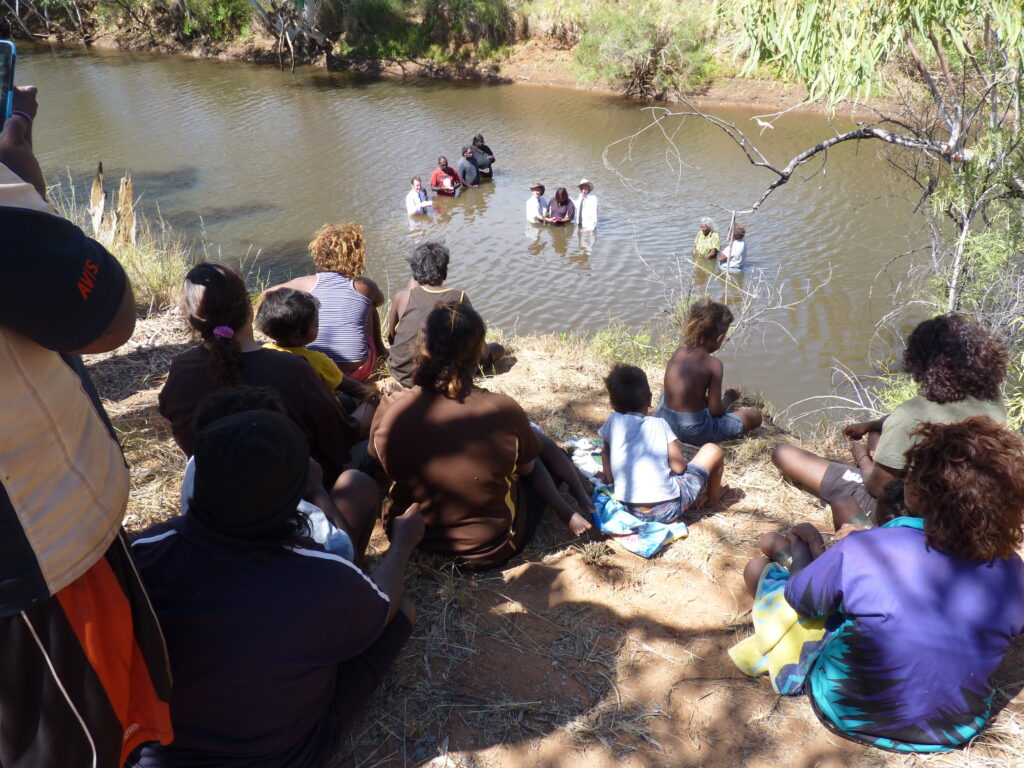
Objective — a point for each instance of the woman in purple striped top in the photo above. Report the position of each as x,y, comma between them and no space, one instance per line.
349,324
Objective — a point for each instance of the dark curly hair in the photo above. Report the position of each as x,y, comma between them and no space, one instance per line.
214,296
628,389
429,264
707,319
952,358
967,482
450,345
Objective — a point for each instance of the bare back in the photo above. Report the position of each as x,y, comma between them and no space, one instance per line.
693,381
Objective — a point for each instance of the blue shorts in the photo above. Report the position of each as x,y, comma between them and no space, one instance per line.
691,483
701,427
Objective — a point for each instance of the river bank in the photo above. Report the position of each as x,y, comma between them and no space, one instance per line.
577,653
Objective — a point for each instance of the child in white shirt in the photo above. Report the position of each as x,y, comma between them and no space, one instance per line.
642,458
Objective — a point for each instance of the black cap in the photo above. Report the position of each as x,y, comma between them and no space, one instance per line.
251,471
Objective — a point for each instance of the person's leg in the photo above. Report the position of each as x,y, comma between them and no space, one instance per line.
711,458
544,486
752,573
847,510
355,496
751,418
800,467
561,468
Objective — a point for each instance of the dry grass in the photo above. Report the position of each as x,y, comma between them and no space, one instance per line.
577,653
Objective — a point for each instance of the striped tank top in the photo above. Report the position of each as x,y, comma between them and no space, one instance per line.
343,313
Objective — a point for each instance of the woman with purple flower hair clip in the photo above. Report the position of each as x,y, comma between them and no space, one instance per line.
216,302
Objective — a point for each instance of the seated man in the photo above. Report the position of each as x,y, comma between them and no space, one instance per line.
445,180
409,310
275,644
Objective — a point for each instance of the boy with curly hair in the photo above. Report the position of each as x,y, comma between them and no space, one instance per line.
692,401
959,366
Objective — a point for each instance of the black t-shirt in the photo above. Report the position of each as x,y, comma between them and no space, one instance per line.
255,638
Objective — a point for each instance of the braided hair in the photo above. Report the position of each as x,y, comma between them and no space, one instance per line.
449,350
216,302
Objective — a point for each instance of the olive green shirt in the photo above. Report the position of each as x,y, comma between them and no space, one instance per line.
896,440
703,244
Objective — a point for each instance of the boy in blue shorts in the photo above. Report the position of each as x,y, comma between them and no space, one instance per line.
642,458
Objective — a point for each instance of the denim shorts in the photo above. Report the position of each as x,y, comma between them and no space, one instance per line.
701,427
691,483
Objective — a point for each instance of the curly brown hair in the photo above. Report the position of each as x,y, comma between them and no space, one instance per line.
951,358
706,319
967,481
339,248
450,345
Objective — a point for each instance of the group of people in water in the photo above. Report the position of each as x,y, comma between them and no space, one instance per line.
257,596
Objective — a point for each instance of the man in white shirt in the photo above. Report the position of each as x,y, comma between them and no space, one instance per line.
536,206
417,201
730,258
586,206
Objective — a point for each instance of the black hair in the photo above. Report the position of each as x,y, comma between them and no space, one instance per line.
952,358
216,303
628,389
891,503
450,343
286,315
232,400
429,264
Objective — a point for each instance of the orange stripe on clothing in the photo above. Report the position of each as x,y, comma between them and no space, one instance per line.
101,616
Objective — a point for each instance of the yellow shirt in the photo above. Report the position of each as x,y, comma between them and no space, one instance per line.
325,368
703,244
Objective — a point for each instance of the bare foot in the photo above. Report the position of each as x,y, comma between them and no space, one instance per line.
810,536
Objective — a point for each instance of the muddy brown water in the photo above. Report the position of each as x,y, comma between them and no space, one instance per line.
252,160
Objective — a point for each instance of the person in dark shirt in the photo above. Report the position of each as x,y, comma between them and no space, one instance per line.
484,157
467,168
217,304
83,673
276,645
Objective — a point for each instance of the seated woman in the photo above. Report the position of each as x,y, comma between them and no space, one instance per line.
561,209
349,331
216,303
959,366
469,457
920,612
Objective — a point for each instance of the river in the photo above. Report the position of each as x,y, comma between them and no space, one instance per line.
251,160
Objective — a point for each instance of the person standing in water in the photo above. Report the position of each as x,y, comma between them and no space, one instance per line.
586,206
536,205
707,243
445,180
417,200
483,156
467,168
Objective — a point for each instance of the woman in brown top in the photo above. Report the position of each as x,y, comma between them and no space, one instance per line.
409,309
216,302
461,451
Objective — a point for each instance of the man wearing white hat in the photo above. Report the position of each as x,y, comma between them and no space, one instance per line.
586,206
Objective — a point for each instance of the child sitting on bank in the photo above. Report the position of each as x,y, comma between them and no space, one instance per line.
866,626
291,319
642,458
693,402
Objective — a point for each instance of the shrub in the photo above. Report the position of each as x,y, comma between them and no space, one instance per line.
215,19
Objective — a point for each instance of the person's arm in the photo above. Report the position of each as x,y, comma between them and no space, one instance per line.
395,312
876,476
16,139
606,465
369,289
389,576
861,428
305,283
676,460
716,403
815,588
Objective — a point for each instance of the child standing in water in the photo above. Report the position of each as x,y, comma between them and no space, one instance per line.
643,460
693,402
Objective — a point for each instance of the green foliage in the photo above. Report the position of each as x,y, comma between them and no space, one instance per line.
459,22
215,19
648,51
836,47
620,343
